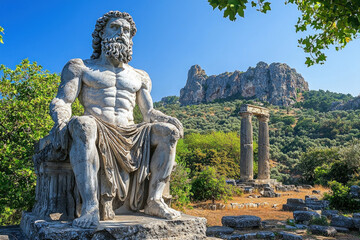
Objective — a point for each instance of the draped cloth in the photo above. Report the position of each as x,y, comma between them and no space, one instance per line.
124,155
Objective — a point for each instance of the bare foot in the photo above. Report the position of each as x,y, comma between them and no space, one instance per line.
107,210
124,209
160,209
88,219
177,214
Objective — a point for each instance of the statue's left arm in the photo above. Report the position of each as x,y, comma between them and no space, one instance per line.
145,104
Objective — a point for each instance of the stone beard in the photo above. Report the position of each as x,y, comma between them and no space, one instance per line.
118,48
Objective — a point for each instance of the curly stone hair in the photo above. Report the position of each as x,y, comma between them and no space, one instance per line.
99,27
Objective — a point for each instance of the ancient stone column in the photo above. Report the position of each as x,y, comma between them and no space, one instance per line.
246,147
263,148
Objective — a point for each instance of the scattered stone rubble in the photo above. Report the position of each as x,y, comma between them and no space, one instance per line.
220,206
268,189
269,192
248,227
355,191
251,227
310,203
323,230
241,222
306,213
304,217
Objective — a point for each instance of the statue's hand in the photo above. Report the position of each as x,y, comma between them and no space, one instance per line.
60,136
177,124
157,116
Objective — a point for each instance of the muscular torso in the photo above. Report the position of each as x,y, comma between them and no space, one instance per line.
110,94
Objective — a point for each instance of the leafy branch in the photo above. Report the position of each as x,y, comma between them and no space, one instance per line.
336,22
237,7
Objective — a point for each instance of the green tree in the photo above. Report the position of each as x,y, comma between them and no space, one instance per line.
25,95
216,149
314,158
335,22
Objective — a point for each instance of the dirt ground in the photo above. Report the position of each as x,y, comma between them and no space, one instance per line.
265,213
271,213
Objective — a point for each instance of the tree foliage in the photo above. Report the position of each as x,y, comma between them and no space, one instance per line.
237,7
340,164
315,159
24,105
335,22
322,100
216,149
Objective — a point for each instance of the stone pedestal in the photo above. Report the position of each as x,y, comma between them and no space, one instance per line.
134,226
246,154
56,193
263,148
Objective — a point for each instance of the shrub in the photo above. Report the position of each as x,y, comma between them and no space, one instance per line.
340,199
210,185
180,187
322,221
216,149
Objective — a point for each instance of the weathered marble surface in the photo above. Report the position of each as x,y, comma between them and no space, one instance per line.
134,226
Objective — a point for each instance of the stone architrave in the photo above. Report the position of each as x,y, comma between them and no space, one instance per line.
93,167
263,148
246,140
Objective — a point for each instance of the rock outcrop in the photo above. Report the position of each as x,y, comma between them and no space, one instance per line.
276,83
353,104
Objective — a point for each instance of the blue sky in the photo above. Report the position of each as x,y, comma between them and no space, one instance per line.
172,36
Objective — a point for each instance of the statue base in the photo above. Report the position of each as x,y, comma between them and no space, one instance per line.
135,226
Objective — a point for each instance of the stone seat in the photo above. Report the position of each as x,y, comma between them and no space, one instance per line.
57,196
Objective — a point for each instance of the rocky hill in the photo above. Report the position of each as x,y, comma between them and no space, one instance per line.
352,104
276,83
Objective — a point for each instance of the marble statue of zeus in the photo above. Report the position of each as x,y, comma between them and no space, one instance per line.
107,150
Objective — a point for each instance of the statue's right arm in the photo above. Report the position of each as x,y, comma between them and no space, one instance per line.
60,106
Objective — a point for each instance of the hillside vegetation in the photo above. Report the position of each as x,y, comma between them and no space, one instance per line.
295,133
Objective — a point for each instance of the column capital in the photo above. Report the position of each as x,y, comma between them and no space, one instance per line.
263,118
245,114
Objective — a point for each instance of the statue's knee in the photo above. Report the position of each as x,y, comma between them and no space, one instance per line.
82,128
171,133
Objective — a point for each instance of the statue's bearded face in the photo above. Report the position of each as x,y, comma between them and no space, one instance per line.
116,40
